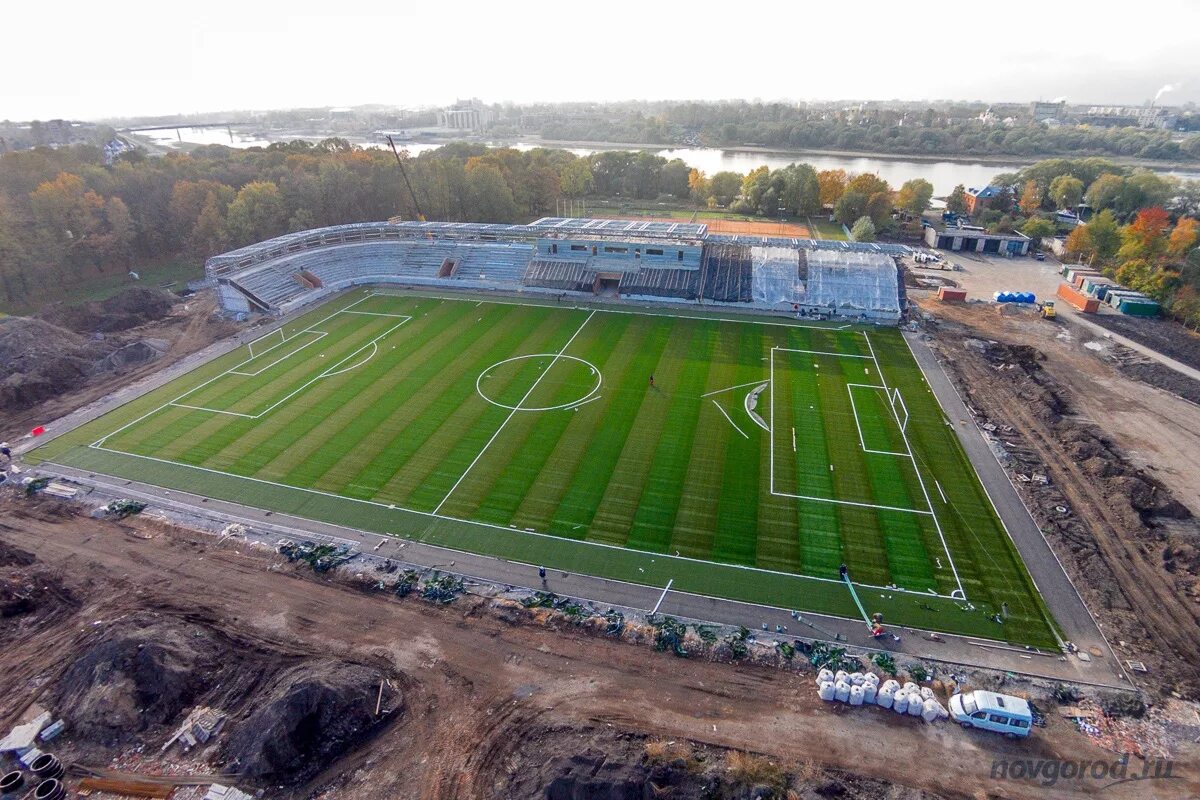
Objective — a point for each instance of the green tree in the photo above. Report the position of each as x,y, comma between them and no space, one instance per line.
256,213
1066,191
207,236
914,196
1104,235
725,187
863,230
576,178
849,207
673,179
957,200
1037,228
1104,191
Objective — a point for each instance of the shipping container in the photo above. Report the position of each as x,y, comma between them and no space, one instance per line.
1092,285
1074,273
1138,308
1115,296
1079,277
1072,296
946,294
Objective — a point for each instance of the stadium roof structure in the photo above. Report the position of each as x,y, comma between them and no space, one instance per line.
624,229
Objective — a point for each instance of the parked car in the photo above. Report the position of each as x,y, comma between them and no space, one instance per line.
989,711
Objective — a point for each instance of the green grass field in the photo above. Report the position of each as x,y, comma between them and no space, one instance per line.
765,454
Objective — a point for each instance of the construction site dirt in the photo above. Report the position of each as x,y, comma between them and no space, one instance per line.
476,699
1118,457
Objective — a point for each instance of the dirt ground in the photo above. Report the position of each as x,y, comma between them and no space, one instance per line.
190,325
753,227
1105,442
485,704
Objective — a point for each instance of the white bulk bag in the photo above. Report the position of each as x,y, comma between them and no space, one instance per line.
856,679
915,705
842,691
911,687
900,704
885,698
841,675
891,684
826,691
869,692
824,676
926,693
856,696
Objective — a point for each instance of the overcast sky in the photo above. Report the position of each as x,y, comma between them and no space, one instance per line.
88,60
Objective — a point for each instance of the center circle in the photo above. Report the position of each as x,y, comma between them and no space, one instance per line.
587,372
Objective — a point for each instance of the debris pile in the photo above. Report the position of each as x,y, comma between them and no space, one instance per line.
321,557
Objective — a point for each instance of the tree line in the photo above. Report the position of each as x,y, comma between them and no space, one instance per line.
67,219
924,132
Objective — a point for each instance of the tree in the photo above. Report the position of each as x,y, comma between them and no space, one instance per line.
1143,276
956,202
207,236
849,207
1104,191
1145,237
257,213
1079,243
1031,198
879,208
1037,228
673,178
1066,192
832,185
576,178
869,184
1002,201
120,230
863,230
1183,238
1104,235
725,187
914,196
699,187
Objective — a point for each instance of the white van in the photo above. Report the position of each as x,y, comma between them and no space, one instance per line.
1000,713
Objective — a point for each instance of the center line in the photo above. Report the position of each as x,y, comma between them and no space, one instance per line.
513,413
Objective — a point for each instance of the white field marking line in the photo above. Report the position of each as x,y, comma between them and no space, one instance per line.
513,413
921,481
731,388
731,422
662,596
583,402
943,494
771,486
820,352
375,314
757,420
644,313
793,438
213,379
282,339
320,335
214,410
854,503
861,439
897,399
580,401
394,507
328,373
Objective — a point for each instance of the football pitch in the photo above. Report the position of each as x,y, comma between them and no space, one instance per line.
738,458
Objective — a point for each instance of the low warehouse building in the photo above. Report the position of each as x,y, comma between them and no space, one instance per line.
977,240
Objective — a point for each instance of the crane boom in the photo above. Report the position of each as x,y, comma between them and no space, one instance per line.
404,173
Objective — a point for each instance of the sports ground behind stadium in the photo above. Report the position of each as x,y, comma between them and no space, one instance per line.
764,455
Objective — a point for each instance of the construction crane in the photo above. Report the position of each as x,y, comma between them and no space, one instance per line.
404,173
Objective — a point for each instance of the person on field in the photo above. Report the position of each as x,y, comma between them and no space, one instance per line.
651,381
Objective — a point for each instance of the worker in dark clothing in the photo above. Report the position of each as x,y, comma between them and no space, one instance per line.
843,571
542,573
651,381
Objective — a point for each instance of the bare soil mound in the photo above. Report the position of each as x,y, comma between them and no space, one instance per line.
128,309
141,674
311,715
1164,335
42,360
571,764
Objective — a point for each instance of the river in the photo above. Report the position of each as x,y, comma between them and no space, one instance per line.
944,174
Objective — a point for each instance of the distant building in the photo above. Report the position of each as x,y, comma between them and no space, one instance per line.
470,115
1148,116
1045,111
979,199
977,240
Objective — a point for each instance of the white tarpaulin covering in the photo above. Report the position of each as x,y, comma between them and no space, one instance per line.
850,281
776,275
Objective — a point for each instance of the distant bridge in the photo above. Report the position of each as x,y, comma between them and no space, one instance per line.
184,125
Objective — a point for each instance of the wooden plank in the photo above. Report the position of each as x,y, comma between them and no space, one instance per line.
126,787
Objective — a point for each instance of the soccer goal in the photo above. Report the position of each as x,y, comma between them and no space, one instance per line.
899,409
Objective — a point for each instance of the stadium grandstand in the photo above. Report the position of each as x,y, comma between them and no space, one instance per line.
668,261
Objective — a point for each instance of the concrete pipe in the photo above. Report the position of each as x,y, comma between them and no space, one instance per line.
51,789
47,765
11,782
